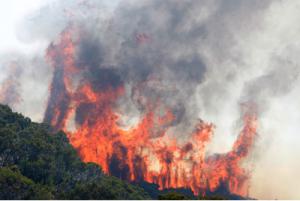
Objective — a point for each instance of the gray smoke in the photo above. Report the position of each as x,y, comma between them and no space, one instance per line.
10,86
24,83
188,55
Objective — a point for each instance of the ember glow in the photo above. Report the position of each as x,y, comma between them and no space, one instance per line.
86,109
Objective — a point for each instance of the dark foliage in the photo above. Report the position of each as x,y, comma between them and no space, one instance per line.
221,193
173,196
213,197
155,193
15,186
46,166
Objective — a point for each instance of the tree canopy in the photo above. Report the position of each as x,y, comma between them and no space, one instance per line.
36,163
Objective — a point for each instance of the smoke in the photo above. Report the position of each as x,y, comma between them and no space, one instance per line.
181,38
201,59
277,81
171,64
24,83
9,91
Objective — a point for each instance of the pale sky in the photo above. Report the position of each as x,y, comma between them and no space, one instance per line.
13,12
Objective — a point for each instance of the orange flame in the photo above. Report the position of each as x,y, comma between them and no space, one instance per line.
145,151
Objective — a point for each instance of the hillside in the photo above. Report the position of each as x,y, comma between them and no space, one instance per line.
36,163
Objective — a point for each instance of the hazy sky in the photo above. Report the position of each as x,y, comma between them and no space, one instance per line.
276,157
13,12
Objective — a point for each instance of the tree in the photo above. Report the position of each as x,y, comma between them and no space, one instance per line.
16,186
173,196
47,164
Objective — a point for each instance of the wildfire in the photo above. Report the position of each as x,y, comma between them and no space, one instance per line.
145,151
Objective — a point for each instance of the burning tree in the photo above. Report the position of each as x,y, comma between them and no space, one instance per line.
84,100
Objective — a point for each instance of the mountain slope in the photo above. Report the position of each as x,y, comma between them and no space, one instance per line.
35,160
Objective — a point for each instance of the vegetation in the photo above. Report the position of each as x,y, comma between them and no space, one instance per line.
213,197
173,196
14,185
38,164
